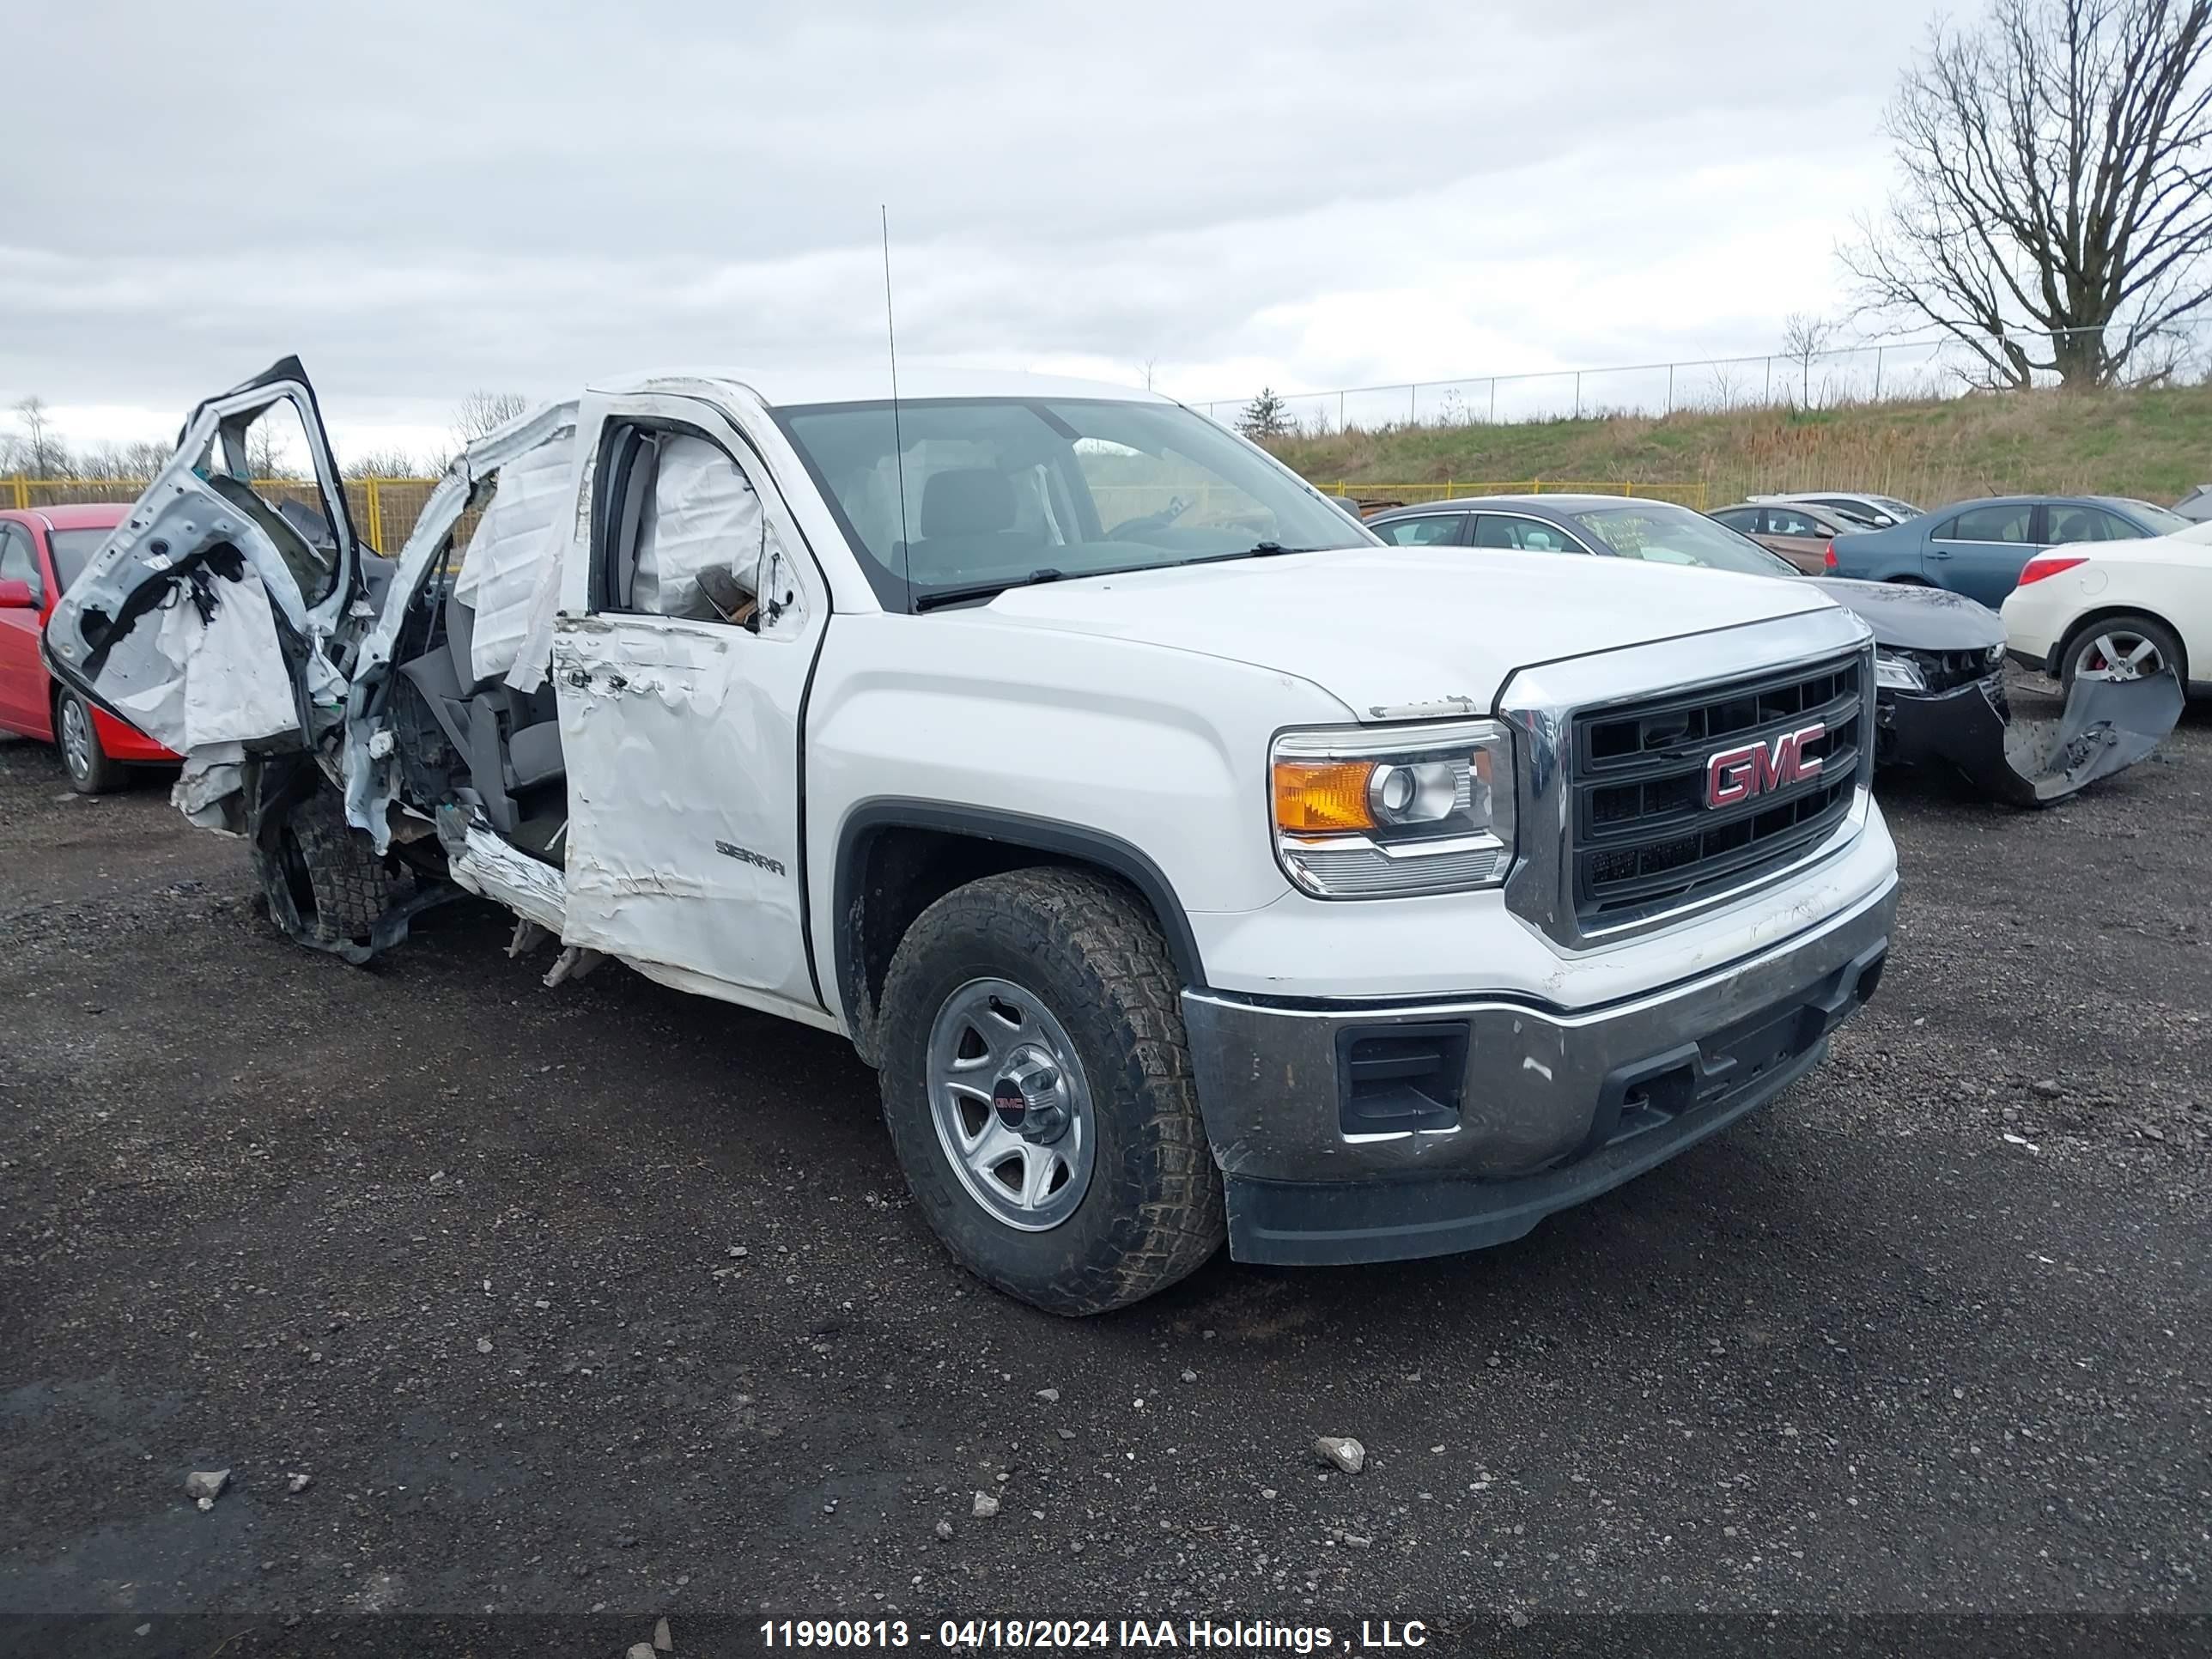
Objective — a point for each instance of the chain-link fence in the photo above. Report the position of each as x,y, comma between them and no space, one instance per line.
1883,371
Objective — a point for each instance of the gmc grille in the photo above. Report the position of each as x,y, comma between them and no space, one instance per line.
1642,837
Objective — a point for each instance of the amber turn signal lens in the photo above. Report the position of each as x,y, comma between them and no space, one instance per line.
1318,796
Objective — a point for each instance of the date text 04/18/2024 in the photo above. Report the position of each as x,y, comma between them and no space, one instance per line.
1095,1635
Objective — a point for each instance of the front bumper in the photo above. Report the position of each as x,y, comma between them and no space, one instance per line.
125,742
1550,1108
2107,726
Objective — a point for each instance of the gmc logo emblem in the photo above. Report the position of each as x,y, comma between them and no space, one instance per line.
1735,775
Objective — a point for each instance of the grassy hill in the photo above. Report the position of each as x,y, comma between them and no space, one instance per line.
2156,444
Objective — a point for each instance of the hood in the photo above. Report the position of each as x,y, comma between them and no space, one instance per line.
1912,618
1388,628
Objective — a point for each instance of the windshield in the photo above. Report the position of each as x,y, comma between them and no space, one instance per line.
1894,507
1002,491
1659,533
73,550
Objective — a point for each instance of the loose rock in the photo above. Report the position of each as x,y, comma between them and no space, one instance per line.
1050,1396
986,1506
206,1485
640,1650
944,1532
299,1482
1342,1451
483,1345
661,1638
2049,1089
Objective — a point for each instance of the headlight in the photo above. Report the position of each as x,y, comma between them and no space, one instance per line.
1899,673
1394,810
1997,654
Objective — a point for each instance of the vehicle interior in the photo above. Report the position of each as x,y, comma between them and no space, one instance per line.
689,543
463,734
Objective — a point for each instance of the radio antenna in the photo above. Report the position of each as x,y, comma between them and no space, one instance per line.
898,438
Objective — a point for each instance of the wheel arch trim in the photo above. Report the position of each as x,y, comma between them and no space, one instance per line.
1077,843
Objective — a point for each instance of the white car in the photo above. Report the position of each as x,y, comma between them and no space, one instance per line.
1880,510
2118,611
1190,865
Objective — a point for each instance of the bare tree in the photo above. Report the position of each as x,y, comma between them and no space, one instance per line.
1728,388
41,451
131,460
481,413
1150,363
1804,337
2054,213
394,463
268,453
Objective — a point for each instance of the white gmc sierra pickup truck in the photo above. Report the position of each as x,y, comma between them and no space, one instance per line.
1188,864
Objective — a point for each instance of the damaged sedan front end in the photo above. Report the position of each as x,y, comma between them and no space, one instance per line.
1941,700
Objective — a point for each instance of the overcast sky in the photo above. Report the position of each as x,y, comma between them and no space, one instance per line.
423,199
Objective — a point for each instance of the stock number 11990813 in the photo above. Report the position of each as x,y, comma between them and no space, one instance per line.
833,1633
955,1634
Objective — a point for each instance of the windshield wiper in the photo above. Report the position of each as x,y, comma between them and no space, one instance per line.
945,596
1257,551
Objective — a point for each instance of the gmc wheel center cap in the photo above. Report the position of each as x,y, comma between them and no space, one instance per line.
1030,1099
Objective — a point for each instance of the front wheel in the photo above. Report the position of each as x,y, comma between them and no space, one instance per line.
1037,1086
92,770
324,880
2120,648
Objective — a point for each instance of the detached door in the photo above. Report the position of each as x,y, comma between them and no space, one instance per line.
679,661
207,621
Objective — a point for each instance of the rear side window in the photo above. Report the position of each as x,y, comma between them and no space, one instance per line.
2089,524
1525,535
1744,518
1789,521
1992,524
1430,530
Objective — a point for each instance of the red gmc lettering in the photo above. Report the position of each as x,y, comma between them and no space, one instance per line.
1735,775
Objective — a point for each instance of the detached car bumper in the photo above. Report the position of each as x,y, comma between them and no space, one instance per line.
2107,726
1359,1131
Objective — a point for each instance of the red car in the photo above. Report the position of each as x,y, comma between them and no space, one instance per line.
42,548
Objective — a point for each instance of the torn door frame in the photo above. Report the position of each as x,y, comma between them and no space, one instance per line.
171,550
369,766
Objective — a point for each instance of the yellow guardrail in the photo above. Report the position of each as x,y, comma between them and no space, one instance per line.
384,509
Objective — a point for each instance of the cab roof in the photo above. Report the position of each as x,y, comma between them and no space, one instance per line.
788,388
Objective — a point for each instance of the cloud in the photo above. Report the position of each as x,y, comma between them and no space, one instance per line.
429,198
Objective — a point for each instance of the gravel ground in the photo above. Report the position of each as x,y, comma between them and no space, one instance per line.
604,1304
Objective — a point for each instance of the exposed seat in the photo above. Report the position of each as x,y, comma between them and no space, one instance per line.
533,755
510,740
